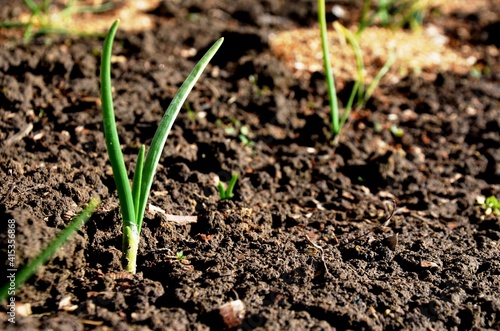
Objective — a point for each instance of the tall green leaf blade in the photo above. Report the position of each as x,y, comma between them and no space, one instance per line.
30,269
111,134
160,137
330,80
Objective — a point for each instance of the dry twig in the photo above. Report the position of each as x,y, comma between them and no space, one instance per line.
322,254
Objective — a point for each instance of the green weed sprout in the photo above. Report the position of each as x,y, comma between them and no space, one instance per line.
41,21
227,193
133,199
337,120
180,255
29,270
490,205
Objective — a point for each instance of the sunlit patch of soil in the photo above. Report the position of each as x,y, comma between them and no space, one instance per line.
423,52
451,6
132,14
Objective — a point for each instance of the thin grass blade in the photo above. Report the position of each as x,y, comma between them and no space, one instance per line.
348,107
360,66
387,65
365,19
34,8
160,137
75,9
25,273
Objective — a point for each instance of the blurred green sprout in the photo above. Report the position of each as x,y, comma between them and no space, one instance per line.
490,205
43,19
227,193
358,93
394,14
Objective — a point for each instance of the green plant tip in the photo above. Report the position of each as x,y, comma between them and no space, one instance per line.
397,131
227,193
490,205
180,255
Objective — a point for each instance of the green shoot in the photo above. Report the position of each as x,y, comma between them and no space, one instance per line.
365,19
358,88
358,92
180,255
381,73
244,131
25,273
490,205
236,129
191,113
332,91
397,131
133,200
227,193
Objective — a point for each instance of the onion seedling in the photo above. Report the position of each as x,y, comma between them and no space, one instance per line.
330,81
337,119
133,199
227,193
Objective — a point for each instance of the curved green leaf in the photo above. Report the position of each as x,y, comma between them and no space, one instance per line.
160,137
111,134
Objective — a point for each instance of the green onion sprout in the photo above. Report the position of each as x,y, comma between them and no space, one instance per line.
133,199
358,92
332,92
227,193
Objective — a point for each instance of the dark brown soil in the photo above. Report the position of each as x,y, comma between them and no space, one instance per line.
444,272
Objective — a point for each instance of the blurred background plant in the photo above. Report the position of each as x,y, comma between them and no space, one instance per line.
395,14
53,17
360,91
234,128
490,205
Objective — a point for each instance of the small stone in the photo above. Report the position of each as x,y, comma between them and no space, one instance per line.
232,313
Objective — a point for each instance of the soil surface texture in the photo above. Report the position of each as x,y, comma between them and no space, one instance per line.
384,231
